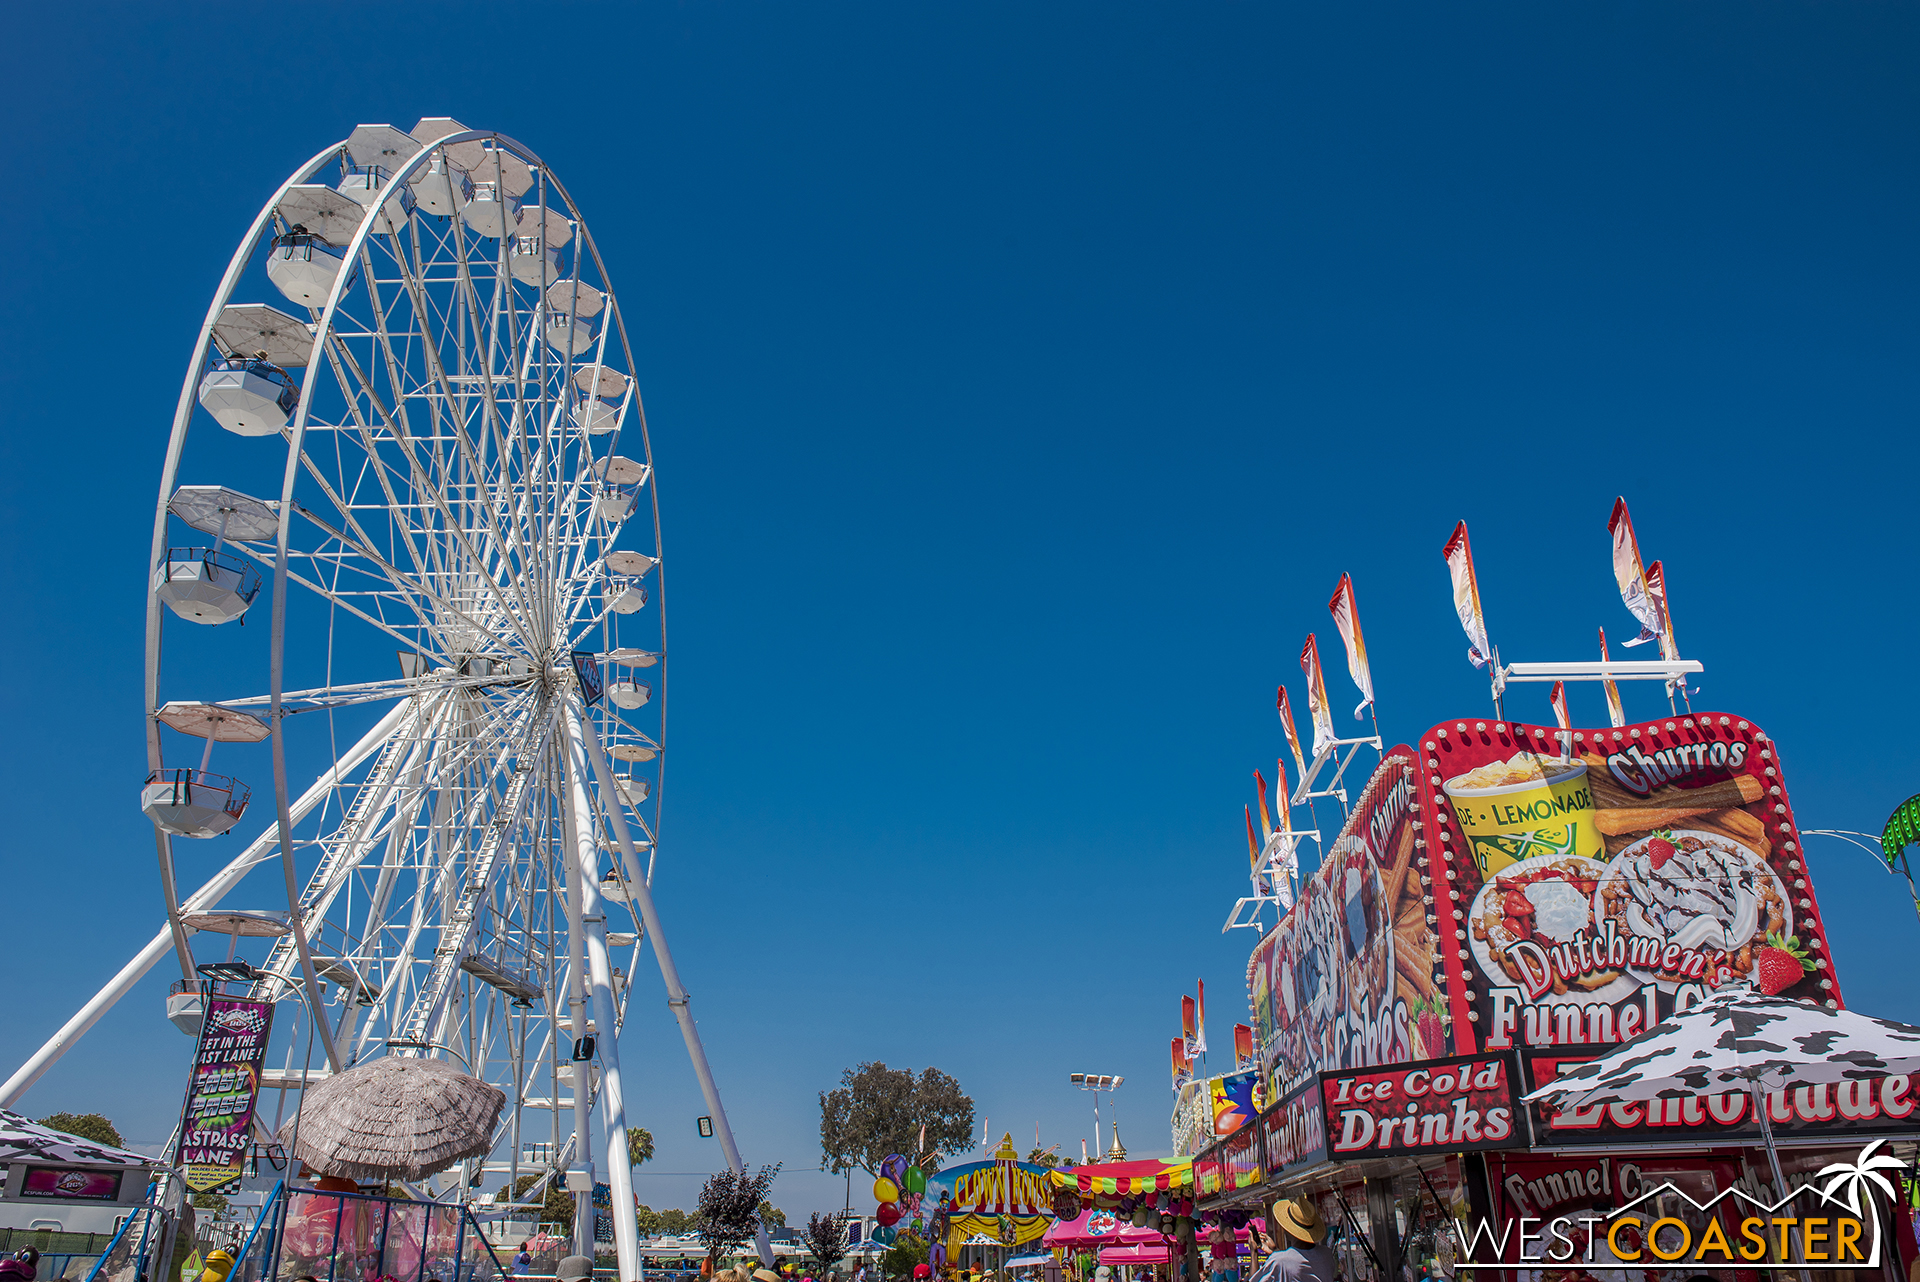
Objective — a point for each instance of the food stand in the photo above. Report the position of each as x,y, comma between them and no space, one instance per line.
1507,901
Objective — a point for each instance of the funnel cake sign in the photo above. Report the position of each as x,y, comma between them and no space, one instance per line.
1580,1216
1594,882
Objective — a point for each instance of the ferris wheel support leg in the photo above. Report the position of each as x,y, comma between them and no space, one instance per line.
677,998
626,1229
208,896
573,832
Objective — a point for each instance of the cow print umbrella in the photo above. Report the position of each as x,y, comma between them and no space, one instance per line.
1739,1040
1742,1039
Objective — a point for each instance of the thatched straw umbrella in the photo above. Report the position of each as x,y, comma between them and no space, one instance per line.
394,1118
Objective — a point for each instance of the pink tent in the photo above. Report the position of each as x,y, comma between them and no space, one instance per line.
1140,1254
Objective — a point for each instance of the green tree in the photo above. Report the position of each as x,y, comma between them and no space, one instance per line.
1044,1156
215,1202
907,1252
675,1222
772,1216
879,1110
556,1203
88,1126
639,1145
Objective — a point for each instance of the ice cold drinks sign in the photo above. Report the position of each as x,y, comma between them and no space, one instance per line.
1441,1106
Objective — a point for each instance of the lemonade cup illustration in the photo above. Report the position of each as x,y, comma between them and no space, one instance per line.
1524,808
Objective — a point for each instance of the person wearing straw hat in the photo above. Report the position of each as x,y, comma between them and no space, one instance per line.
1299,1231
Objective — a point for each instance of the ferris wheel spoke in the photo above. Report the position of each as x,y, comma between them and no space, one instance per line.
399,747
396,420
435,487
411,589
383,472
463,307
322,698
339,599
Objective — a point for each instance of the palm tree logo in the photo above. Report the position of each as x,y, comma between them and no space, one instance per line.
1855,1179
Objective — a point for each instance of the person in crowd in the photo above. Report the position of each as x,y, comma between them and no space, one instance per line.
1297,1225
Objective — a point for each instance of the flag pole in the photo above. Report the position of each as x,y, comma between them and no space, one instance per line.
1499,710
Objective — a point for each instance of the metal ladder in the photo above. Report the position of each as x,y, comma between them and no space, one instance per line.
456,933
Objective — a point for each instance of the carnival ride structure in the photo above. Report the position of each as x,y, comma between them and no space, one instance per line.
422,454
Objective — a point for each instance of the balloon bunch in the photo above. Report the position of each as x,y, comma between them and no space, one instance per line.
898,1191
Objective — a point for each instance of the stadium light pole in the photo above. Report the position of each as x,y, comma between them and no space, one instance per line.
1097,1082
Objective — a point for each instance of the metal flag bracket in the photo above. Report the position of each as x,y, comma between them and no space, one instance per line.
1341,752
1273,867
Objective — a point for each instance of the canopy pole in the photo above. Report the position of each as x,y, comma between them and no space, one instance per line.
1773,1158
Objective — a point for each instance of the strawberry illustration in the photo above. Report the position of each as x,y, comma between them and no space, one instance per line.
1432,1035
1659,849
1780,965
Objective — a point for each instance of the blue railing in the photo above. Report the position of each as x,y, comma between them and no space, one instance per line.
358,1237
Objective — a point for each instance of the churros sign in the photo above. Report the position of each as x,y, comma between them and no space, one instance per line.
1832,1222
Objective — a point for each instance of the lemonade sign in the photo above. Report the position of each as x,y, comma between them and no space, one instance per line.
1524,807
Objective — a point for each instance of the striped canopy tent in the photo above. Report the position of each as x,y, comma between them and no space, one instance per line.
1105,1183
1004,1199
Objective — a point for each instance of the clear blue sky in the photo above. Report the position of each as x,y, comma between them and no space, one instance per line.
1022,377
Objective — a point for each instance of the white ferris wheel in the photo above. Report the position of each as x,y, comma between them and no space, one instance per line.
421,472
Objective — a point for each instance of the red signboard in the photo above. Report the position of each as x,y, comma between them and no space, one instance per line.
1452,1105
1295,1132
1562,1204
1593,893
1861,1108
